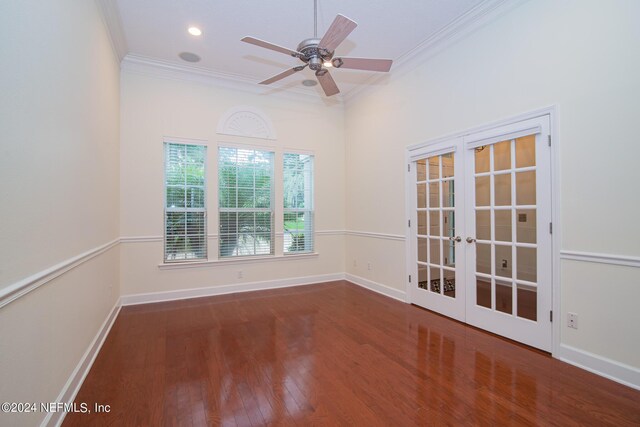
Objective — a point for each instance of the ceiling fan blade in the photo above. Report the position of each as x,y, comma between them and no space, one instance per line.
337,32
267,45
368,64
282,75
328,84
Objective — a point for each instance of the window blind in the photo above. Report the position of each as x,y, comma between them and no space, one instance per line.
245,181
185,202
298,203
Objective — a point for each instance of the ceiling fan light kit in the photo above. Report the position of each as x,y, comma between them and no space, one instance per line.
318,54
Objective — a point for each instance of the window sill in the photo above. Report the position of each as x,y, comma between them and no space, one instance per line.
236,260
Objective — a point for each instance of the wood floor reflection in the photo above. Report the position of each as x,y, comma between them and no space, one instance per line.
331,354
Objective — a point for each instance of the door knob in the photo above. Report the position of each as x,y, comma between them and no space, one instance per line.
470,240
455,239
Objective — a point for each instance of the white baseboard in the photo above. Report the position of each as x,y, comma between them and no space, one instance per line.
226,289
599,365
377,287
71,388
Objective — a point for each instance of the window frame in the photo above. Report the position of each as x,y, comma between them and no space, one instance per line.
310,211
166,210
272,208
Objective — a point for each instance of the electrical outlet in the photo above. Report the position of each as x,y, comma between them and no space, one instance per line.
572,320
240,274
369,266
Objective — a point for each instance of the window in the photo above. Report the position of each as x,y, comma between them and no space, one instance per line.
245,201
298,203
185,202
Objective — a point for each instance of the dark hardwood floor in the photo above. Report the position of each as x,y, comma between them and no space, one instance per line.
331,354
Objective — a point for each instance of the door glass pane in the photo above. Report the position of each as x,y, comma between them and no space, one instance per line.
434,195
527,265
448,253
422,250
447,165
503,261
483,292
483,225
503,225
502,189
434,167
482,191
502,156
526,151
434,248
422,223
434,280
422,196
526,188
449,218
504,296
482,159
423,281
434,225
449,283
448,200
421,170
527,302
483,258
526,225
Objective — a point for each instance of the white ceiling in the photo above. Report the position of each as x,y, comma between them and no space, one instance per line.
157,29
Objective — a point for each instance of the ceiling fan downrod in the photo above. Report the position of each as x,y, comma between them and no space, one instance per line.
315,19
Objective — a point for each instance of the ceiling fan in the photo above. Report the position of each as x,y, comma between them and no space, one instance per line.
318,54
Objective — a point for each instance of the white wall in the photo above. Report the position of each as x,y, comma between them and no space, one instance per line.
154,107
583,57
59,170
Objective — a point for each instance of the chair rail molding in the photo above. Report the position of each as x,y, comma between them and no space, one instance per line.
612,259
375,235
28,284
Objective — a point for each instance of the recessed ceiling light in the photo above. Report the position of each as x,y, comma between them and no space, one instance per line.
309,82
189,56
195,31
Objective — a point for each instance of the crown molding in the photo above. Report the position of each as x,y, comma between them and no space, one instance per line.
457,29
460,27
111,18
139,64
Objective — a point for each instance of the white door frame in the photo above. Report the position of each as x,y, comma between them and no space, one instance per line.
550,111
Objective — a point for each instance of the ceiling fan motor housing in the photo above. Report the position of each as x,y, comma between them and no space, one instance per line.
312,55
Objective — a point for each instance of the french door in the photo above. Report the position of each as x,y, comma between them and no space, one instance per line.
481,244
437,241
